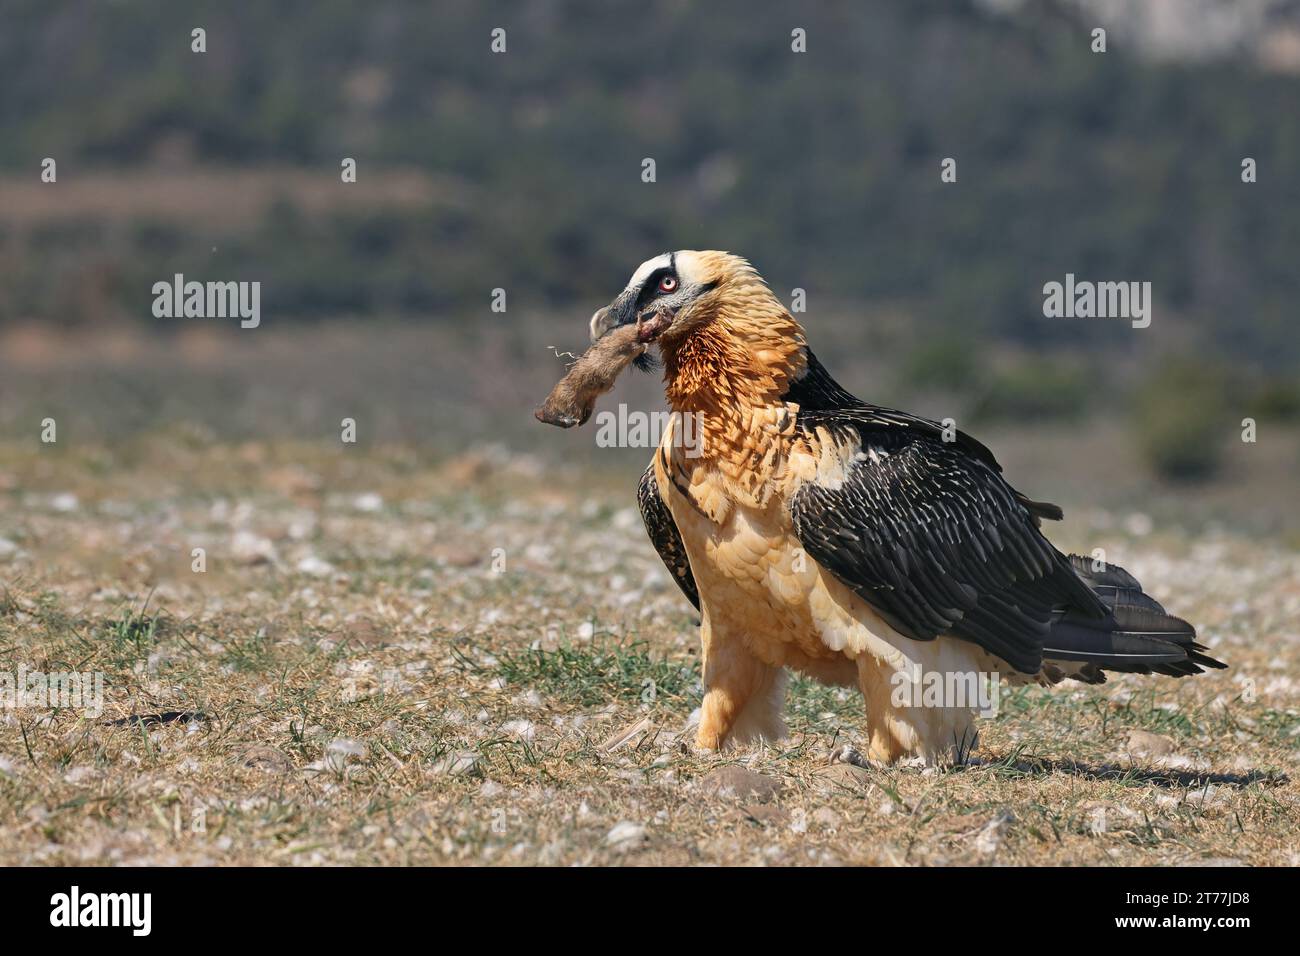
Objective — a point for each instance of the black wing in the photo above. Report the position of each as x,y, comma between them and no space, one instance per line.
664,535
929,534
816,390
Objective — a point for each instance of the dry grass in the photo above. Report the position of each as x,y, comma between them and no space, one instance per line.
362,680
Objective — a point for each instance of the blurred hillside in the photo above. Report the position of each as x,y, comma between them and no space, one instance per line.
522,170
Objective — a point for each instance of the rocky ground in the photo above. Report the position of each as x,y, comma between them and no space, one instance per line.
393,658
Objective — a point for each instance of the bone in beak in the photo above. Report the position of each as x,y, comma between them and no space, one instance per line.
649,326
571,401
600,323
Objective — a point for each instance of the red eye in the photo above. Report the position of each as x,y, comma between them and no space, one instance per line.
668,284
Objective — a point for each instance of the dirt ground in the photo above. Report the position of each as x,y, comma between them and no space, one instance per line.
391,657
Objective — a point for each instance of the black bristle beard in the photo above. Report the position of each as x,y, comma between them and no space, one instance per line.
646,362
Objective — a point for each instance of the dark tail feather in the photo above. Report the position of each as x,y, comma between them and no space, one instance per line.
1138,637
1041,509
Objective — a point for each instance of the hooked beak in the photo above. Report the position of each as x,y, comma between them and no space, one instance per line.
650,322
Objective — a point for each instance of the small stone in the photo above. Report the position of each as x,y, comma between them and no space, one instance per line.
523,729
1204,796
531,699
625,835
360,632
843,776
737,782
461,764
990,838
339,750
848,754
249,548
826,818
315,567
767,815
265,758
457,557
1149,744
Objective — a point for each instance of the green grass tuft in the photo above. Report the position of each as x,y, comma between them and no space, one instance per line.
599,672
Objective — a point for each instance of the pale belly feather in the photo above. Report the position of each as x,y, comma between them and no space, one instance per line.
756,583
761,591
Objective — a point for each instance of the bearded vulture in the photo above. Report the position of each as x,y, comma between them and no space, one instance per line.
850,542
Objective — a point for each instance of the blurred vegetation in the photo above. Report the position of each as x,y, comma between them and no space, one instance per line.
822,168
1275,400
1015,388
1189,410
1180,419
1047,389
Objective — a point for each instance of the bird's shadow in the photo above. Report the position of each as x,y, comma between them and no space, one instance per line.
1030,766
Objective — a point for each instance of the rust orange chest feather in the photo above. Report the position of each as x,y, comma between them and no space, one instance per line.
733,430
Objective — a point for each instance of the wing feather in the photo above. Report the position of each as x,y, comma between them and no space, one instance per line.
929,534
661,528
